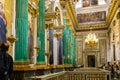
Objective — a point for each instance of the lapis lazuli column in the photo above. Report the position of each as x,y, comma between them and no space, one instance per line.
60,53
51,45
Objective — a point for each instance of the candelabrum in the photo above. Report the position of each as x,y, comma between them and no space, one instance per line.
37,48
69,58
11,39
48,57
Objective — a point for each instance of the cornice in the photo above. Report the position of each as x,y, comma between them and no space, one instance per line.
50,16
61,27
94,27
115,5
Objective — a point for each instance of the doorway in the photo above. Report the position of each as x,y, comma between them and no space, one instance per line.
91,60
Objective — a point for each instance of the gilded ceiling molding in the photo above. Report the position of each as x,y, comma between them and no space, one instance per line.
71,12
115,5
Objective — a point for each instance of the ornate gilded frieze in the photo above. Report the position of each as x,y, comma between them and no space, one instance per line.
102,35
95,26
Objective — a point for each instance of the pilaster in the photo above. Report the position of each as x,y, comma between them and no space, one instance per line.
55,51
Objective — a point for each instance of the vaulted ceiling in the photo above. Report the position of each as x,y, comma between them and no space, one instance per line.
84,14
91,13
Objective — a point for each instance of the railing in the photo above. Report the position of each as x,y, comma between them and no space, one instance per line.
75,75
54,76
87,75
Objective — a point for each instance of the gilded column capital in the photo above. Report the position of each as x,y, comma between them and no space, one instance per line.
73,33
49,26
58,35
60,27
33,9
70,27
55,35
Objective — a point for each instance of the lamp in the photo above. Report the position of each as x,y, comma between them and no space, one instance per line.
91,39
11,39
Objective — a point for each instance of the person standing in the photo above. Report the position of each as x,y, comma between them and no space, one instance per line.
6,63
3,24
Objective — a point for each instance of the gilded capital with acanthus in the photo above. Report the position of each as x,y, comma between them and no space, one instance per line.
60,35
55,35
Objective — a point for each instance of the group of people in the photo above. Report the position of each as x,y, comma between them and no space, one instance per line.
114,68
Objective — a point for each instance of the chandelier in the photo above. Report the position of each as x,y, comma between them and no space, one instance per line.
91,40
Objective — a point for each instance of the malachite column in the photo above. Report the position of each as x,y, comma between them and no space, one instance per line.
73,51
75,58
65,44
21,45
41,32
68,46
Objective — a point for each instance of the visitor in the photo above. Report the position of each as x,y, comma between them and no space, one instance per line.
6,63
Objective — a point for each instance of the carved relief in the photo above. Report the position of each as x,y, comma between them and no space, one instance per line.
79,52
103,52
102,35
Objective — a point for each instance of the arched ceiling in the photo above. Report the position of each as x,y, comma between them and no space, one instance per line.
91,13
84,14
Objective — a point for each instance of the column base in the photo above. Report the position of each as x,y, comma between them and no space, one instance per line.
23,66
23,70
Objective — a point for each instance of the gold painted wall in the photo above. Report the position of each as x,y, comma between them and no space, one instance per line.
8,9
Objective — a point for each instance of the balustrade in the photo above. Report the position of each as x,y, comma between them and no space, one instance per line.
75,75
